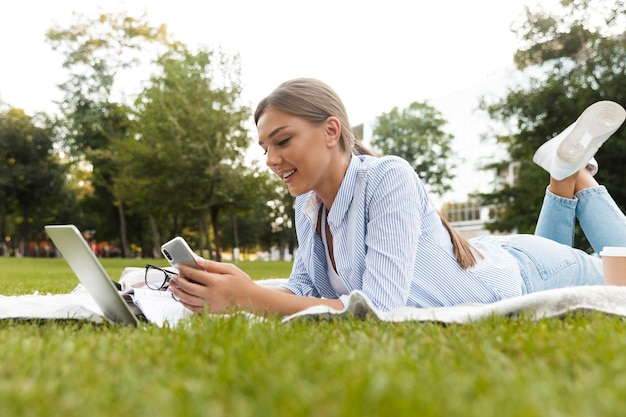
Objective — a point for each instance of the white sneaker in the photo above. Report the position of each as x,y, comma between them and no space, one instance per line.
572,149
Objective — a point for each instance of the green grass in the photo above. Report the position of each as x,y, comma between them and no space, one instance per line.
52,275
232,367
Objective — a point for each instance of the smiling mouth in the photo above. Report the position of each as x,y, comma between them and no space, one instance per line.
288,174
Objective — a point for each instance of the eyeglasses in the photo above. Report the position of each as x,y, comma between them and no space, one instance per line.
157,278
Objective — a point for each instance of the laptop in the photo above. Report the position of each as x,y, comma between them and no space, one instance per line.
75,250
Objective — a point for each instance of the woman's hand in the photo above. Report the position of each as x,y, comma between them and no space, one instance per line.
222,287
216,289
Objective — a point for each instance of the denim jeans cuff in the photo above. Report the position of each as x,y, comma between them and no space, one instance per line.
600,189
558,200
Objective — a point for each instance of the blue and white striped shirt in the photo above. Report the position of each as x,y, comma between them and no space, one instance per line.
389,243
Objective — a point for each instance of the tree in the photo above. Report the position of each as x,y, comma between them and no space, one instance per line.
264,214
32,179
102,125
281,232
189,142
96,51
416,135
571,60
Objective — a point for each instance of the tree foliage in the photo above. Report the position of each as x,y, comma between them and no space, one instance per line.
264,214
571,59
140,167
416,134
32,186
97,51
189,141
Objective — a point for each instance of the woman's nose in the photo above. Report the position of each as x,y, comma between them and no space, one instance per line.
271,157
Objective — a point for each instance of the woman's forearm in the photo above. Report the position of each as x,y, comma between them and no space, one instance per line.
280,301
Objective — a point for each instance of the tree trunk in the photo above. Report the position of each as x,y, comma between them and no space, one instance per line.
156,239
235,232
235,240
123,238
25,233
205,231
200,236
3,234
216,234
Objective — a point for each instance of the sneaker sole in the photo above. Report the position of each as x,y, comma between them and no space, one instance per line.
594,126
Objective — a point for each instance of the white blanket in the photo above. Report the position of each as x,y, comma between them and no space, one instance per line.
74,306
554,303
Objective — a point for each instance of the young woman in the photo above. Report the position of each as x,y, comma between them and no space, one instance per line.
367,223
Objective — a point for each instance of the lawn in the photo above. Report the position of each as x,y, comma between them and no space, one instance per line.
234,367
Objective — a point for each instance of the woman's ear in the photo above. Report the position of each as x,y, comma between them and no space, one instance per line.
332,128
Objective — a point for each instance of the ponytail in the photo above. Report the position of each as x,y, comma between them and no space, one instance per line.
358,148
464,252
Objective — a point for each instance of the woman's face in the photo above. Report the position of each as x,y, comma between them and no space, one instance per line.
298,151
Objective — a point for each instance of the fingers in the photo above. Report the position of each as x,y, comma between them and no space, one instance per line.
188,293
215,287
195,275
195,309
217,267
191,288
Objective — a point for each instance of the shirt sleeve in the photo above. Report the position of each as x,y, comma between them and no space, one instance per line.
395,200
300,283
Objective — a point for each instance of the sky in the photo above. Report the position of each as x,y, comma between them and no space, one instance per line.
377,54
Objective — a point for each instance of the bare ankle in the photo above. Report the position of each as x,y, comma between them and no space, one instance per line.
584,180
564,188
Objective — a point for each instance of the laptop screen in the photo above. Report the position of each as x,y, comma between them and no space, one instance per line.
75,250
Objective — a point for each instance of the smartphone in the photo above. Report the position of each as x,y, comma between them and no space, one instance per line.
178,252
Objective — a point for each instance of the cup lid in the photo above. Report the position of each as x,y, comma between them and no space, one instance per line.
613,251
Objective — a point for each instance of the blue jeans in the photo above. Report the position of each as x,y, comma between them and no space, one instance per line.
547,259
602,221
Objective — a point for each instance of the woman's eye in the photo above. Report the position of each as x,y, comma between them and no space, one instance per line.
284,141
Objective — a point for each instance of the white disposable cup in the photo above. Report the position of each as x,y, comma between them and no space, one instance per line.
614,265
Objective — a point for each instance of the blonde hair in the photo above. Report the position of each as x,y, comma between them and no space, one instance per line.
464,252
315,102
